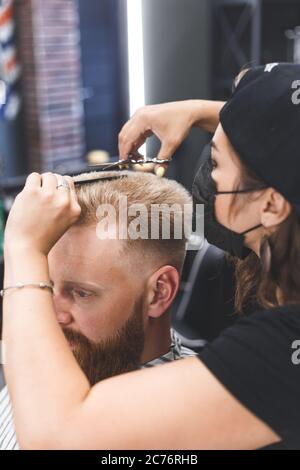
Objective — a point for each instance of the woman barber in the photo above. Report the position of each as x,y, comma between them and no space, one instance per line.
241,391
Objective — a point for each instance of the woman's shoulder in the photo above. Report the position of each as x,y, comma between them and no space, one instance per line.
260,335
285,309
256,359
269,335
287,315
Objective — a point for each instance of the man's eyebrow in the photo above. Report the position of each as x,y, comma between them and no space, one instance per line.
85,285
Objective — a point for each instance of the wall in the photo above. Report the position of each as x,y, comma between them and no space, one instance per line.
177,66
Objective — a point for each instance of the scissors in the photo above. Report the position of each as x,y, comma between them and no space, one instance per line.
131,160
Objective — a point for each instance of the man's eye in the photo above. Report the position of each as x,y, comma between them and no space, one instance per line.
82,294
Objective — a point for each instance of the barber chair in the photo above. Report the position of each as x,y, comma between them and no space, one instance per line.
206,307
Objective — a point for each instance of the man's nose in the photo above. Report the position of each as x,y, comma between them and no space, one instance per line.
62,309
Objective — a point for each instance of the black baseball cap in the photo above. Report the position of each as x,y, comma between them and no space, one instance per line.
262,122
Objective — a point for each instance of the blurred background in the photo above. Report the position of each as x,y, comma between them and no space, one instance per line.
73,71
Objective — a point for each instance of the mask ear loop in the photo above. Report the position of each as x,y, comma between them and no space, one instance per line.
241,191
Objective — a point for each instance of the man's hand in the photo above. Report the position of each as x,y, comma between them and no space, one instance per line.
41,213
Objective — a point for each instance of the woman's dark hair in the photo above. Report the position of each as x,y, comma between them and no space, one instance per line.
259,280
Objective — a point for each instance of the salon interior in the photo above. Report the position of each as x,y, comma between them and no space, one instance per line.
72,72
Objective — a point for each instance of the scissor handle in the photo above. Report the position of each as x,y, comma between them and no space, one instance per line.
143,160
160,161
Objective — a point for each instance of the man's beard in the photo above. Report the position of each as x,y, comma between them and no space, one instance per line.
112,356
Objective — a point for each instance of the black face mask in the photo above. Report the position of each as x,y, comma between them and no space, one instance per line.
204,192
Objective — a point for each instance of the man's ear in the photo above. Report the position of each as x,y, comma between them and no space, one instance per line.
275,209
162,287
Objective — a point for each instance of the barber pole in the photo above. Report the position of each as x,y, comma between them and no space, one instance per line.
10,69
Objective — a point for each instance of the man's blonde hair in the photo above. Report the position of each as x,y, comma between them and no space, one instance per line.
139,188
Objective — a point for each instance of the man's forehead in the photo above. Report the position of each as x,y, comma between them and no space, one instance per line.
77,269
83,240
81,247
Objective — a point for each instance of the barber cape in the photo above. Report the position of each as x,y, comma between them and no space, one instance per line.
8,439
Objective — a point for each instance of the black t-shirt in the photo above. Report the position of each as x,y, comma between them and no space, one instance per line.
257,361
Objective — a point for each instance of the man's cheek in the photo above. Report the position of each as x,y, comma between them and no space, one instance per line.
93,325
104,318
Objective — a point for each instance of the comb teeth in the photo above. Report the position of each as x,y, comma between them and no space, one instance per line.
100,178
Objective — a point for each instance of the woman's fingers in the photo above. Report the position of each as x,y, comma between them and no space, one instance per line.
168,148
160,170
166,152
49,182
73,196
33,181
169,122
135,132
132,141
70,182
62,183
42,212
62,187
65,187
125,137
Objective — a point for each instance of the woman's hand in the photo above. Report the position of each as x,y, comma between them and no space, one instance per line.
170,122
41,213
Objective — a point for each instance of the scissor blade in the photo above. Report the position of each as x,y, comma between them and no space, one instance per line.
109,166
